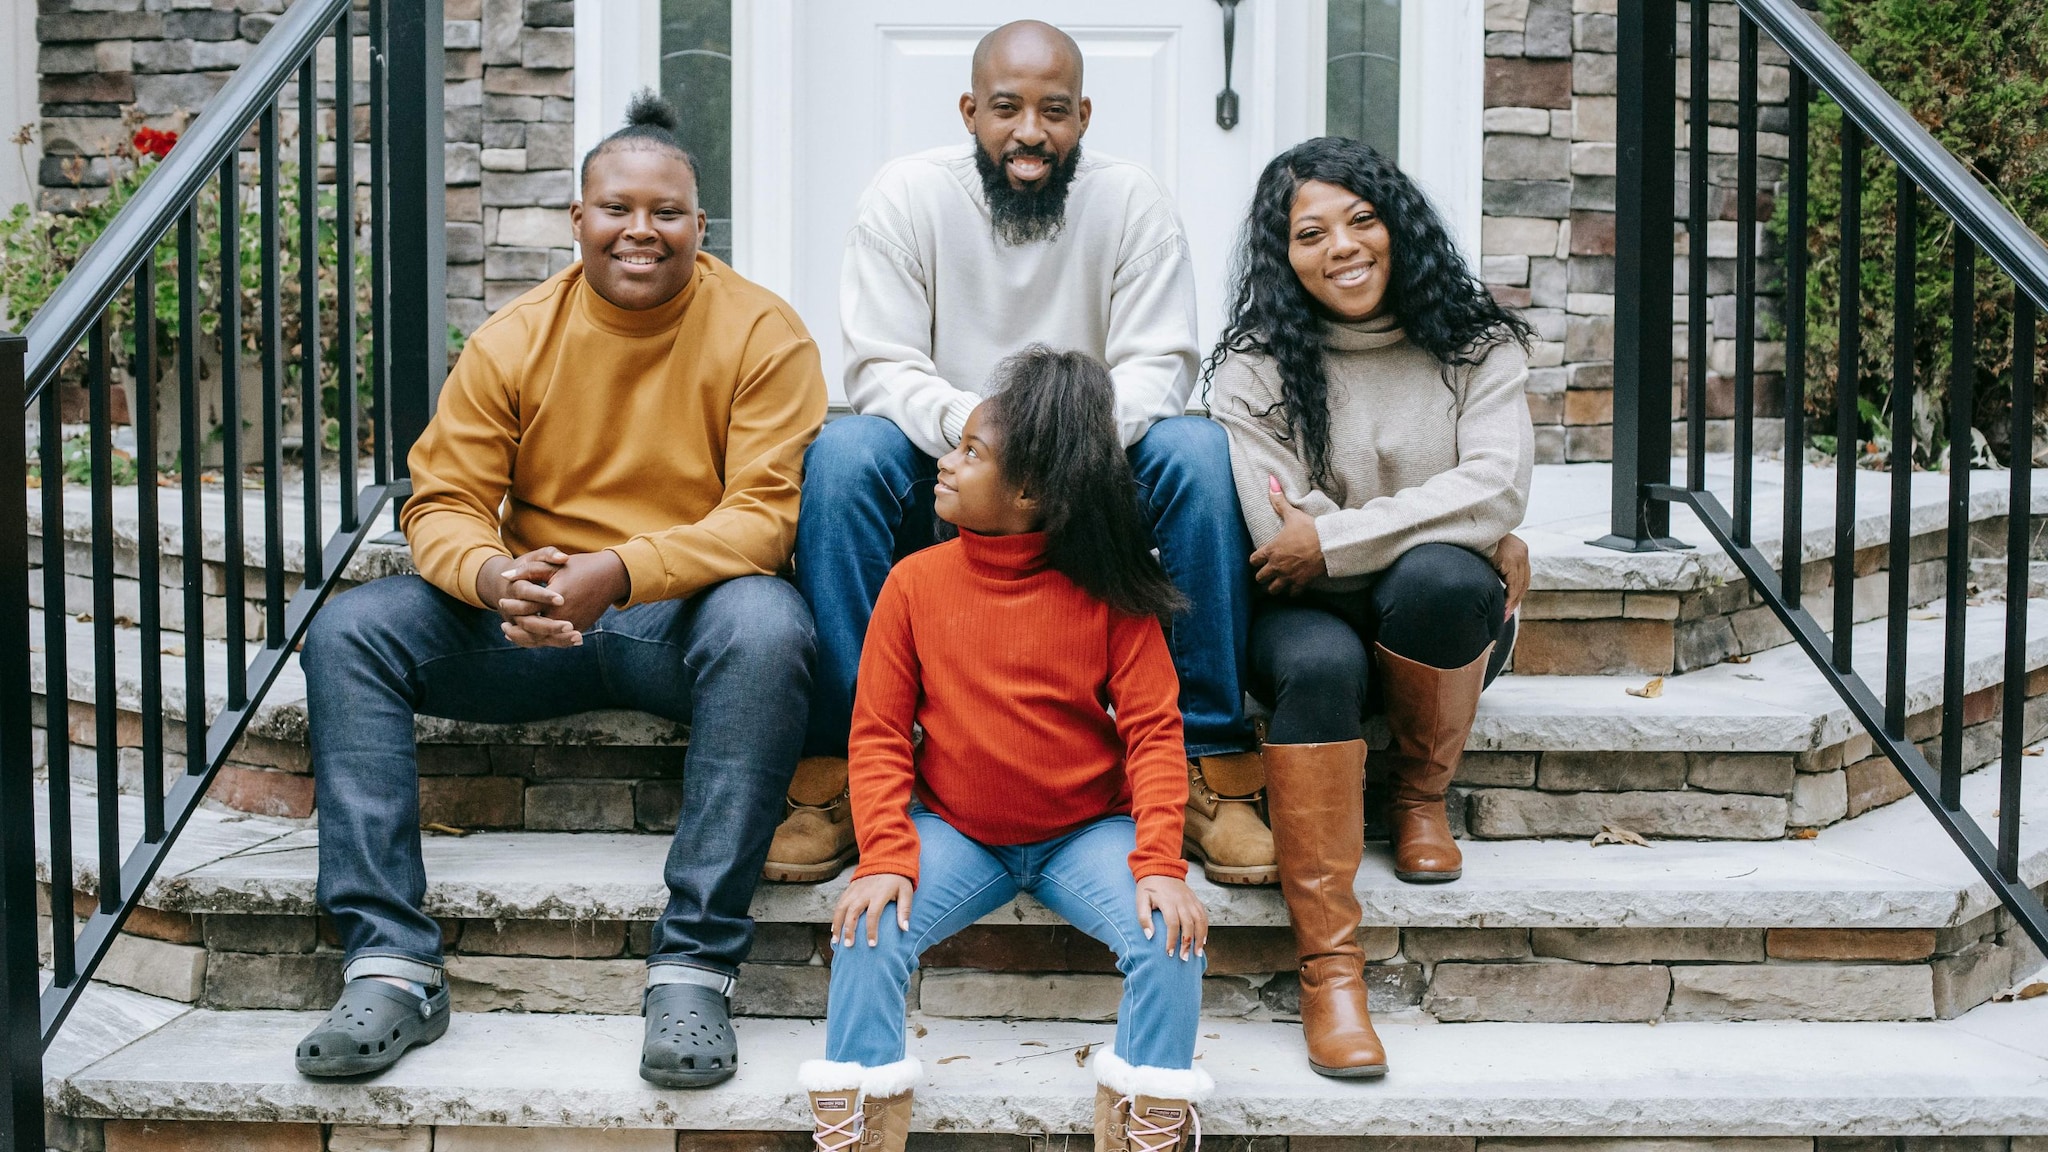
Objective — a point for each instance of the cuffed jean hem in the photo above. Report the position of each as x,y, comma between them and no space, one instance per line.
661,972
397,967
1225,748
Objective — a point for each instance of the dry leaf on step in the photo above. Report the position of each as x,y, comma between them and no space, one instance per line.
1805,833
1738,660
174,649
950,1059
1650,691
2023,992
2034,751
1035,1044
1923,614
1081,1055
444,829
1212,1035
921,1030
1615,834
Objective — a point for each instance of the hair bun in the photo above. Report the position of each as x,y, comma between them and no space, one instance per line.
648,110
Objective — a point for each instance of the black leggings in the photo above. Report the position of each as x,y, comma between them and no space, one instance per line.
1311,657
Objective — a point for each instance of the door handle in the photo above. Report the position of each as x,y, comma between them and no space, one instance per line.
1226,100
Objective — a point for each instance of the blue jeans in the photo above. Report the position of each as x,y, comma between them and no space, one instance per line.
868,503
733,662
1083,876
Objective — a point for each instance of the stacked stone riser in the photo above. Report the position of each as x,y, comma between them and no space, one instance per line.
1450,975
1498,795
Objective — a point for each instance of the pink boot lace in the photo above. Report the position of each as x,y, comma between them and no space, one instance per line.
847,1132
1147,1136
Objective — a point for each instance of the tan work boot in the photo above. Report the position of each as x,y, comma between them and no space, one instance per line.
1316,794
815,841
1222,828
1429,716
885,1112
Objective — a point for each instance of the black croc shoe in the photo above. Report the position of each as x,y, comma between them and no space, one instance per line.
370,1027
690,1043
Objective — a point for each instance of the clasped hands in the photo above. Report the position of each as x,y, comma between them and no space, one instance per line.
1293,559
550,598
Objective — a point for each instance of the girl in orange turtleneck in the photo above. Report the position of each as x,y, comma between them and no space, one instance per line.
1028,653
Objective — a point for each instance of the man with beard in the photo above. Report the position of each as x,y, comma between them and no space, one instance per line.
959,257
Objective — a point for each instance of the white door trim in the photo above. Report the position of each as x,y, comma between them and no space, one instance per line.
605,83
764,71
1443,110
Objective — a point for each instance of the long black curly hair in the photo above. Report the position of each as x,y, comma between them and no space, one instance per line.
1433,295
1054,418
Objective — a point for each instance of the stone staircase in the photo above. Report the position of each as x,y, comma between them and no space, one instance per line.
1794,958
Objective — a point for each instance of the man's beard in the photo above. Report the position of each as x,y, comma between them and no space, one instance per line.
1032,214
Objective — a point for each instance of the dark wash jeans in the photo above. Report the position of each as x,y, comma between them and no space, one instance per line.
868,503
733,662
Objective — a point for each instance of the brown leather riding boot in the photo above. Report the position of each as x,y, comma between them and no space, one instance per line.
1429,714
1316,795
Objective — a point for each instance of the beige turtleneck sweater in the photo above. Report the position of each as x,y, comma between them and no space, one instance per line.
1411,461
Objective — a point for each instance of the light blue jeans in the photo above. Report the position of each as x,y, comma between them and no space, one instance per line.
1084,876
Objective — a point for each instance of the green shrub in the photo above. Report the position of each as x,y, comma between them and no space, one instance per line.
1975,74
39,249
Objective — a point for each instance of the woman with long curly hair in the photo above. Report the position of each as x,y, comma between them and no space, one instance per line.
1381,444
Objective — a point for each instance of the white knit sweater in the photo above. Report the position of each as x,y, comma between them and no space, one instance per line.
1411,460
930,301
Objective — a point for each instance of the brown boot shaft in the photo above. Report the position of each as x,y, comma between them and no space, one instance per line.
1429,716
885,1122
1316,793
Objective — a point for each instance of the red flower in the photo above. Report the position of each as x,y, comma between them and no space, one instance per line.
151,142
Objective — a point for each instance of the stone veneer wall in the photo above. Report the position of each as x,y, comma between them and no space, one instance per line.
1547,238
1547,241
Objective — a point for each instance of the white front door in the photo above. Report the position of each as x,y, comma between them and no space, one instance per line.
856,82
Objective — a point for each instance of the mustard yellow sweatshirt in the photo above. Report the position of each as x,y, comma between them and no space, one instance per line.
674,436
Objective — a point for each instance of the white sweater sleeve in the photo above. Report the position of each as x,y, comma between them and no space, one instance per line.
1151,345
885,316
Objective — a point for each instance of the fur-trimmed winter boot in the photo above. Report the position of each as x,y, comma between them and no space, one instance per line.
1140,1108
855,1108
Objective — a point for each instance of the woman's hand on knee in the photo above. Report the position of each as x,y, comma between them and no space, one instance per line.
1187,922
869,897
1511,560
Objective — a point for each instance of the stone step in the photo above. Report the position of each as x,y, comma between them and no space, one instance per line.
1591,610
1877,918
1736,751
1764,1087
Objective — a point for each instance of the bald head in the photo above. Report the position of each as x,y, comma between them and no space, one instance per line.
1030,47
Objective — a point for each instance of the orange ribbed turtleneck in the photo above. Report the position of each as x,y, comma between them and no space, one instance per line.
1012,671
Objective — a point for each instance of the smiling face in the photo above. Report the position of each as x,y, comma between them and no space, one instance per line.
638,225
1341,250
972,492
1026,110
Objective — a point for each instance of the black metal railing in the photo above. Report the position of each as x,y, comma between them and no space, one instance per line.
405,345
1643,379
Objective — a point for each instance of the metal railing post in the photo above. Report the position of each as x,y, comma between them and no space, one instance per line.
21,1039
1643,263
418,243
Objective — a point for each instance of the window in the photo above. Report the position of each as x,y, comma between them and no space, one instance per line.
1364,69
696,76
